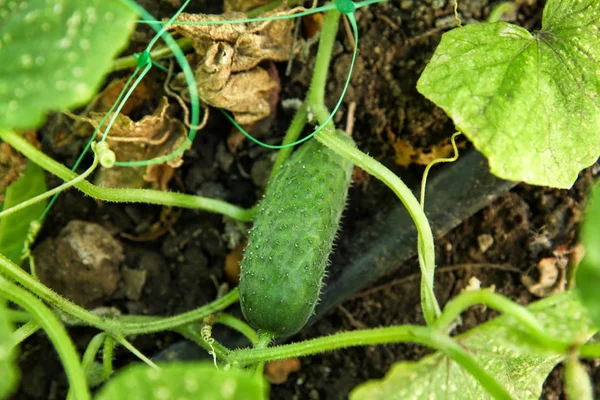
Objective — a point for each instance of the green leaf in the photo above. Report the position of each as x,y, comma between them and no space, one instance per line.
588,272
8,372
54,54
14,228
183,381
529,102
499,346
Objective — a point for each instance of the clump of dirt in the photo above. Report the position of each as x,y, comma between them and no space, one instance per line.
82,263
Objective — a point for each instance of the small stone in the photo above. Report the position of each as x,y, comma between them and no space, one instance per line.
485,241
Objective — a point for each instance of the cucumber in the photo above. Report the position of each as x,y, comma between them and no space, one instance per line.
289,244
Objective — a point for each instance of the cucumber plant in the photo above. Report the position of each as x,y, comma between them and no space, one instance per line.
280,281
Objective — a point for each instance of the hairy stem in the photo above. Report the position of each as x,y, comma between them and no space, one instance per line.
526,319
52,192
24,332
56,332
124,195
238,325
408,334
315,99
292,134
431,308
126,325
191,333
129,325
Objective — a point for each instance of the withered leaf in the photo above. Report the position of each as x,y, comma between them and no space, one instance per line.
228,72
153,136
109,95
552,278
12,162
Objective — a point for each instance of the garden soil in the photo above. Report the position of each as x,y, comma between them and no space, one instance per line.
168,261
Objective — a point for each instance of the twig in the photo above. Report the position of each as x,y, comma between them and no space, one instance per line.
348,31
351,319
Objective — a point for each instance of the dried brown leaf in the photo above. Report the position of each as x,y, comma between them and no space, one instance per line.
552,278
228,72
12,162
105,100
153,136
406,154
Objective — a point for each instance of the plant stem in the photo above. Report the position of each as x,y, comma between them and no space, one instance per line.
45,195
525,318
430,306
92,350
18,316
89,356
590,350
124,195
190,333
408,333
56,332
292,134
315,101
315,98
155,324
116,327
264,340
107,357
125,343
24,332
238,325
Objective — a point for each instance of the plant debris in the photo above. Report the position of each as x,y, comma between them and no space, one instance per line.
277,372
12,163
553,274
82,263
228,69
153,136
406,154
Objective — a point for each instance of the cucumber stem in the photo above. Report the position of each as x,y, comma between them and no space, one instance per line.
315,102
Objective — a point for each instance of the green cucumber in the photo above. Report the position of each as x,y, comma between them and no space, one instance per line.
289,245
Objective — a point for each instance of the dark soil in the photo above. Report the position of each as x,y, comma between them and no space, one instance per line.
184,267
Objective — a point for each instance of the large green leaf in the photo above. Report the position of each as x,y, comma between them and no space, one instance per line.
588,273
500,346
183,381
529,102
14,228
54,54
8,371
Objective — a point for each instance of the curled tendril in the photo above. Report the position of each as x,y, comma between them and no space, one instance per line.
106,156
